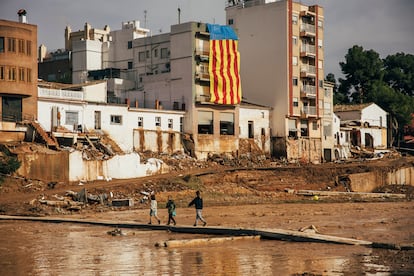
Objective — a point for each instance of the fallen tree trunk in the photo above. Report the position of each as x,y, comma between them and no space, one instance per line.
202,241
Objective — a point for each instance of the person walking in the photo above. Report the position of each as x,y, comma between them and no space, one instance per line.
171,211
153,209
198,203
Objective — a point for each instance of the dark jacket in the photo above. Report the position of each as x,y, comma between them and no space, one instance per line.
197,202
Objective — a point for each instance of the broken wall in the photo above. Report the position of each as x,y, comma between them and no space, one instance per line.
45,166
369,181
157,141
118,167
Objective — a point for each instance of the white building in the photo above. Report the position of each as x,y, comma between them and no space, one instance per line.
366,125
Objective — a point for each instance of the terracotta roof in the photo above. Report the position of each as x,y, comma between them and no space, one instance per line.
350,107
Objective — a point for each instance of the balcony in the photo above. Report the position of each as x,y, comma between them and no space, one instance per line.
308,91
202,76
307,50
307,71
307,30
202,54
308,111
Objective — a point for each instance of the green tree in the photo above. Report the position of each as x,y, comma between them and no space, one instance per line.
399,72
389,82
361,68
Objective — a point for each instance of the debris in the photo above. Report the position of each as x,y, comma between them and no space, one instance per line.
116,232
309,229
122,202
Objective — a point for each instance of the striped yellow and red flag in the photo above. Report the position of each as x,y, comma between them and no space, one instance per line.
224,66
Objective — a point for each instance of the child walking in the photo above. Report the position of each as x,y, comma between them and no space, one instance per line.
171,211
153,209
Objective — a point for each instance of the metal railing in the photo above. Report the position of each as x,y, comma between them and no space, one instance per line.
304,27
307,48
309,110
309,90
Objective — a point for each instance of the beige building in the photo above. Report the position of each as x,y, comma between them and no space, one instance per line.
18,76
282,61
173,73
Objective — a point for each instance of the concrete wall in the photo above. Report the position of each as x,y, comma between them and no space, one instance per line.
369,181
157,141
118,167
45,166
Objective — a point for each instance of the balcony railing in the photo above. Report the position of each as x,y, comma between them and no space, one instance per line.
309,110
307,29
307,50
307,70
309,91
202,75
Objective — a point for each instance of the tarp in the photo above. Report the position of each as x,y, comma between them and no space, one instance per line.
224,65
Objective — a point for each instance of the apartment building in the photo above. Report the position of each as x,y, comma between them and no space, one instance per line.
282,66
174,72
18,75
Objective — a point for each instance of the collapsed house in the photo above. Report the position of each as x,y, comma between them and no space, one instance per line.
363,130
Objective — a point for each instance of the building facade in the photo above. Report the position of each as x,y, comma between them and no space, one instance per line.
282,66
18,69
364,125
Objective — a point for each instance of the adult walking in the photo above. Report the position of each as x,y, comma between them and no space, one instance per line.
153,209
198,203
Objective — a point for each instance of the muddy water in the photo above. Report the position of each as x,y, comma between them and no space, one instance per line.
35,248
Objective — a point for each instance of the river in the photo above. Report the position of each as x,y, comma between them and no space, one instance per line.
36,248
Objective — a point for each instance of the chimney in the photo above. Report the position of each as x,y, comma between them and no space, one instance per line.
22,16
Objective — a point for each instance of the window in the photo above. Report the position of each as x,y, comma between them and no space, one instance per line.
295,102
320,44
250,128
304,128
155,52
116,120
181,124
170,123
320,64
314,126
147,53
327,108
1,44
293,132
294,19
141,56
327,92
320,23
226,123
12,74
140,122
21,74
230,22
157,121
11,45
29,75
2,72
295,81
294,60
71,118
320,83
164,53
29,48
205,122
21,46
294,40
130,44
129,64
327,129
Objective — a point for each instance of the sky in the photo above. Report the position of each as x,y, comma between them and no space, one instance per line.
385,26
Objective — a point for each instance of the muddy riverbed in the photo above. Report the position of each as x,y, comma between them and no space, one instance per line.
35,248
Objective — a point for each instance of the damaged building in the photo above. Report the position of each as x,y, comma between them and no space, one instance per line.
362,127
